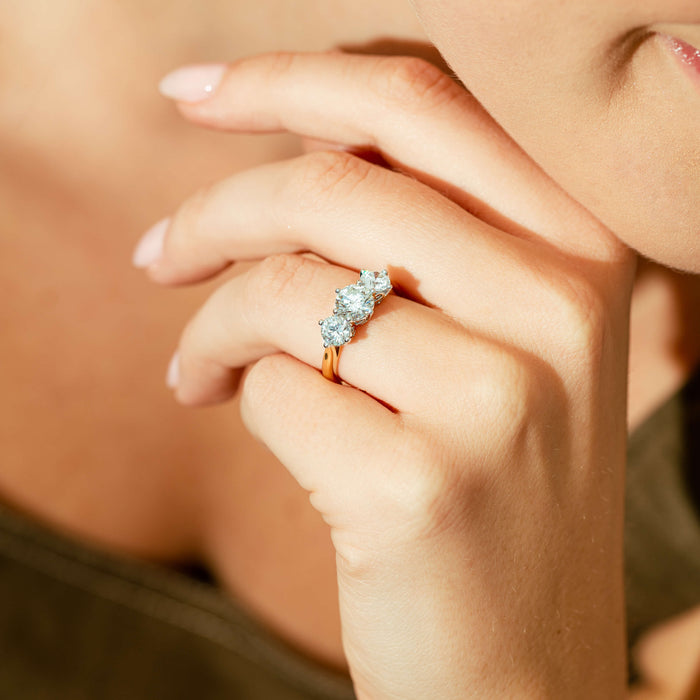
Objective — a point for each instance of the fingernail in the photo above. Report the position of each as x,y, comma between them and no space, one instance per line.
192,83
150,247
172,378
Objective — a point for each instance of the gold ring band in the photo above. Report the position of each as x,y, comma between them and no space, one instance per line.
329,367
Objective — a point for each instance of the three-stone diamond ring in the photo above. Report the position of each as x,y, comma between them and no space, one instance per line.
354,305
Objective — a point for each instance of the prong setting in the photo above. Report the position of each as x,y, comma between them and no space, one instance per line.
354,305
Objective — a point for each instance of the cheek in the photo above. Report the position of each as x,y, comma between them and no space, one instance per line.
638,179
616,132
653,185
632,157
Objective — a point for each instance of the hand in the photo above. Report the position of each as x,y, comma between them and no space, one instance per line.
471,470
667,659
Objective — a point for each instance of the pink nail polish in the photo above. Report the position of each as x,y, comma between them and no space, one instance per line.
192,83
150,247
172,377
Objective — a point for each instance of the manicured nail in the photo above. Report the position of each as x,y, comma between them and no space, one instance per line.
172,378
150,247
192,83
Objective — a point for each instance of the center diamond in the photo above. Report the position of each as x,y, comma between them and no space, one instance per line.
355,302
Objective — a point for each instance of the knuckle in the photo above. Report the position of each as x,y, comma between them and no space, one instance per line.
189,220
198,349
504,398
190,338
322,178
275,64
272,278
578,318
272,283
261,385
451,475
425,503
499,400
413,83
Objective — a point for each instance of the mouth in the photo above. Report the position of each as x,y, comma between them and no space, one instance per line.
687,54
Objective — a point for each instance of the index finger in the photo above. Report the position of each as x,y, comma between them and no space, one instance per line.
421,121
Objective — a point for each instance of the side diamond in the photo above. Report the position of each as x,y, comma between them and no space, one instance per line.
376,282
336,330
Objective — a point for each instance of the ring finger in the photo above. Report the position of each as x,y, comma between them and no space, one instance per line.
276,306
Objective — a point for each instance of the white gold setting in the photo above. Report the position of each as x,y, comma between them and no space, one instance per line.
354,305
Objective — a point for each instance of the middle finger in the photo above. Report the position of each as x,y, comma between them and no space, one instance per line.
351,213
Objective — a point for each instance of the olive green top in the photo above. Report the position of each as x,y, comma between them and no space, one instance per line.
77,623
662,518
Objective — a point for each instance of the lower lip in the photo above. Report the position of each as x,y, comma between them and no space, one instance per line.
687,54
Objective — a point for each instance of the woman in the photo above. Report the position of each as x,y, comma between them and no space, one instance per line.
498,482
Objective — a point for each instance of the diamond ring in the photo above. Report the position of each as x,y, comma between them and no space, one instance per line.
354,305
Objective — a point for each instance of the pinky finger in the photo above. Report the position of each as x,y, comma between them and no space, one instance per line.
330,437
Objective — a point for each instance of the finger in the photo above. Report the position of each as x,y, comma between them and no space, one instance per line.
373,474
277,305
328,436
667,656
339,206
412,112
345,210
